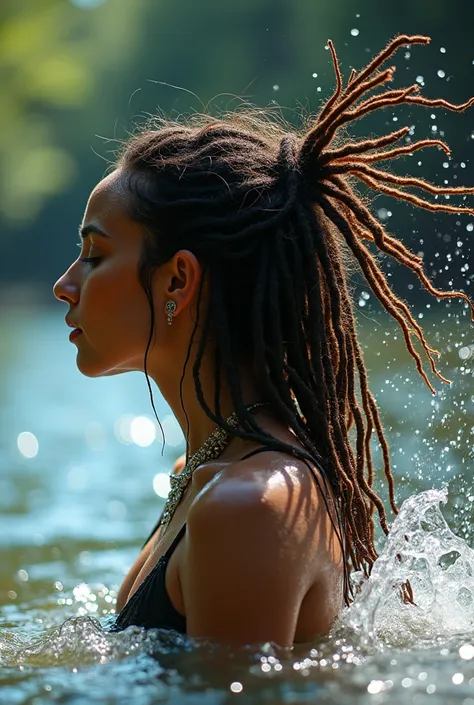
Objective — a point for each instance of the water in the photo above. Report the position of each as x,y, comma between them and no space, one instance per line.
74,514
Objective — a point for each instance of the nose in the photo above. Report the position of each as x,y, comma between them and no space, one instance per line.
66,288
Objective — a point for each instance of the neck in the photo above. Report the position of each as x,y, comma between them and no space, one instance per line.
192,418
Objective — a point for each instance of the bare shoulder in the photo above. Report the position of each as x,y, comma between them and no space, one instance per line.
272,486
257,533
271,504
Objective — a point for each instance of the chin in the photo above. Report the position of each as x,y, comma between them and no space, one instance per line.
92,370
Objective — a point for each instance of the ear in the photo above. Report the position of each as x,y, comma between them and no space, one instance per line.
184,276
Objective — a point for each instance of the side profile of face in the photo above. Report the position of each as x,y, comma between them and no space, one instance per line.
101,287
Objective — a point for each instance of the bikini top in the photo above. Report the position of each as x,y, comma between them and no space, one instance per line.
150,605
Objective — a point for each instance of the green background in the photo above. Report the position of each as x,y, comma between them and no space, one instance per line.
76,75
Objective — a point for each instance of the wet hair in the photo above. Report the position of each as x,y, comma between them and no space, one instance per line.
272,216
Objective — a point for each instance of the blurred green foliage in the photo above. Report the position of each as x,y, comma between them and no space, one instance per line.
74,73
49,55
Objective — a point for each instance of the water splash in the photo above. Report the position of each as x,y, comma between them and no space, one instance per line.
422,549
82,641
352,666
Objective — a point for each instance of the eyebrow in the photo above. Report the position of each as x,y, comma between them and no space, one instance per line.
86,230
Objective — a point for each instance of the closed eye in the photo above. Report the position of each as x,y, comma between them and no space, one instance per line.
92,261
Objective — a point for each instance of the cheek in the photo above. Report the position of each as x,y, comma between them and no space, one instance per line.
116,307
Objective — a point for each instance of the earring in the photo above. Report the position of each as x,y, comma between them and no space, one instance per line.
170,309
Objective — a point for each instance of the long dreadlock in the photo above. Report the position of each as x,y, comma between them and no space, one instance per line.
268,214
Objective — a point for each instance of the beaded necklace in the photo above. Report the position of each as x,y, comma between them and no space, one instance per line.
210,450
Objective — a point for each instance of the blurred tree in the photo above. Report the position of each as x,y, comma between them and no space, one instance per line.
76,69
49,55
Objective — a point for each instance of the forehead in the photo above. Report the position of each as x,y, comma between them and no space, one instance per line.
109,195
107,209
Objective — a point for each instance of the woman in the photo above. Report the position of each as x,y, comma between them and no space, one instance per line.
213,260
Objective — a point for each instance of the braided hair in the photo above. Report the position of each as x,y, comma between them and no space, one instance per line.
272,216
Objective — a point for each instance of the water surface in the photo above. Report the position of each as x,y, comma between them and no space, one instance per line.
80,486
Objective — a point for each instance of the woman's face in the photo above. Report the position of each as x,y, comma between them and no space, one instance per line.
106,301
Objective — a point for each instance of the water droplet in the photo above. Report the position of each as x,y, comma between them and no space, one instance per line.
441,73
383,213
442,50
466,352
315,75
355,32
276,87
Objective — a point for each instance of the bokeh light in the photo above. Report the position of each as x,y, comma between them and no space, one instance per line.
143,431
161,484
27,444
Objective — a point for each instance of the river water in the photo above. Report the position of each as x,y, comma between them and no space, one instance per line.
82,480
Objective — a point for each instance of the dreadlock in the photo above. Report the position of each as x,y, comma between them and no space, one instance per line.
270,216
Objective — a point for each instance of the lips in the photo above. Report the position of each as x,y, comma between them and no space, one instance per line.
71,324
74,333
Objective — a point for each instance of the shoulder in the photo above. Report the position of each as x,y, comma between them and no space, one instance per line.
264,488
266,508
253,534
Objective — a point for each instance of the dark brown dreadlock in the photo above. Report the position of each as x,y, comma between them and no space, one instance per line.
268,215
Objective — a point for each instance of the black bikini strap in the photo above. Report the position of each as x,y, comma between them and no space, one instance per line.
176,539
155,528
